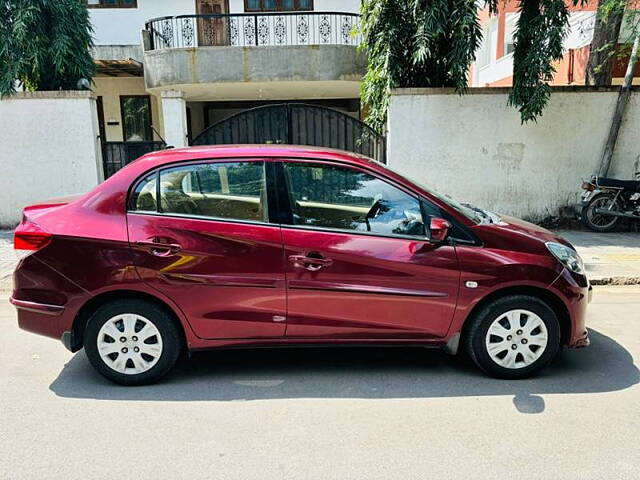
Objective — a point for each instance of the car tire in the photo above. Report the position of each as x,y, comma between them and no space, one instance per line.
518,350
132,342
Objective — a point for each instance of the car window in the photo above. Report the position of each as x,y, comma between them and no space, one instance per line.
342,198
144,196
218,190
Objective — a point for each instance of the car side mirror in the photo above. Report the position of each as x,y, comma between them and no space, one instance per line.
438,229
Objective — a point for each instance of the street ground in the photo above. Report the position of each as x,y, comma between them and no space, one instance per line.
327,413
7,257
610,258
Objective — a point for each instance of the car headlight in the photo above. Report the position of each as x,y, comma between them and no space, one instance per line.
567,256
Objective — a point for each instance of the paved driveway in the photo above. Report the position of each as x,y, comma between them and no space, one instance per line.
7,257
327,413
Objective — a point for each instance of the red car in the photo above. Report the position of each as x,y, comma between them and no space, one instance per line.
248,246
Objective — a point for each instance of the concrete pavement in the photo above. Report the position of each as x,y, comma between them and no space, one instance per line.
7,257
327,413
610,258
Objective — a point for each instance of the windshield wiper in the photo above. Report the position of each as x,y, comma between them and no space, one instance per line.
483,214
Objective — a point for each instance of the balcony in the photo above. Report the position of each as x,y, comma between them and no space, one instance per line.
251,56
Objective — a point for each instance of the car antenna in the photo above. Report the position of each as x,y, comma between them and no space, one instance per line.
160,137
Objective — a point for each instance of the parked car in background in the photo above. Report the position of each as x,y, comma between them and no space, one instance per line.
241,246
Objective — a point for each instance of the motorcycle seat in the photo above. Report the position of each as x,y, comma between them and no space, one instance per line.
633,185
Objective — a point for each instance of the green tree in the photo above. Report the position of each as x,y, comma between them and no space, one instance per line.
416,43
44,44
432,43
617,25
605,40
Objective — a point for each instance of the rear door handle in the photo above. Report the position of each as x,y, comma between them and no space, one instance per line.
312,264
160,249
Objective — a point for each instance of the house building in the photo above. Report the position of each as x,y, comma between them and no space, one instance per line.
494,62
183,72
227,71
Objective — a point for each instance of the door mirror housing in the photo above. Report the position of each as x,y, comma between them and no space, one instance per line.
438,229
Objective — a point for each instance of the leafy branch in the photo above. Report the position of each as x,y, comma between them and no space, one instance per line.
44,45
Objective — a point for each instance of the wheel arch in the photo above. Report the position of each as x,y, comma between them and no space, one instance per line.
543,294
85,312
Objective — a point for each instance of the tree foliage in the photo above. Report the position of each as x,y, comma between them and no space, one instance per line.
416,43
617,25
432,43
44,44
605,39
540,33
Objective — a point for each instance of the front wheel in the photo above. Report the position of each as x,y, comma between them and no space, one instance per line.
513,337
132,342
596,221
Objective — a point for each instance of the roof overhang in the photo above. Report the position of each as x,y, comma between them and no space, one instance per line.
119,68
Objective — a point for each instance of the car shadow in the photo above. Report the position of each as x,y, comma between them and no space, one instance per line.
371,373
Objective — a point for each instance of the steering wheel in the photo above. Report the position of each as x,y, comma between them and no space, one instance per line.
373,211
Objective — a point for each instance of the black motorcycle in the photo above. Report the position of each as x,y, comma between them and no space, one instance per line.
607,200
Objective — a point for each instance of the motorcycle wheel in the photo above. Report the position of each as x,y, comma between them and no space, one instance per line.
595,221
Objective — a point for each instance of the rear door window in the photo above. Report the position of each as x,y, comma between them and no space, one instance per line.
233,190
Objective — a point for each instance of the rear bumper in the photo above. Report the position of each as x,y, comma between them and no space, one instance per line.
36,307
36,317
46,302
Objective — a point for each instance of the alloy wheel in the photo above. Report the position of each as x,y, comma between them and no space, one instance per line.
516,339
129,343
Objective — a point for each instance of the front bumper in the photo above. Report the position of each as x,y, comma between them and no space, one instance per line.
576,294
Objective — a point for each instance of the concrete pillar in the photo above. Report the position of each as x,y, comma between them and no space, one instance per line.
174,114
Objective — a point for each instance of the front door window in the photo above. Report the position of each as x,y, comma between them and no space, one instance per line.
341,198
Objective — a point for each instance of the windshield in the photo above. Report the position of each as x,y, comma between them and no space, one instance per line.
476,215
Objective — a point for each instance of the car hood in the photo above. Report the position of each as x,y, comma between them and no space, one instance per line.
515,234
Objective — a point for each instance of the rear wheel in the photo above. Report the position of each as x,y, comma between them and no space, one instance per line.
513,337
596,221
132,342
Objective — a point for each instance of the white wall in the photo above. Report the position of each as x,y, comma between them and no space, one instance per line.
122,26
48,148
474,148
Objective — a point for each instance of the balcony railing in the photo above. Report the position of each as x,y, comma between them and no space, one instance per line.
248,29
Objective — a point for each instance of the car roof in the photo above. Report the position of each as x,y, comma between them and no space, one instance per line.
171,155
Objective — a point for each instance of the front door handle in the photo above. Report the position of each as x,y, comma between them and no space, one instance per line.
160,249
313,264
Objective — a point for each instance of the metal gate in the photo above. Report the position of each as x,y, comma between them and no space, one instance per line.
116,155
297,124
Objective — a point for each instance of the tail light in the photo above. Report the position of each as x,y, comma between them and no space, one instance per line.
590,187
29,238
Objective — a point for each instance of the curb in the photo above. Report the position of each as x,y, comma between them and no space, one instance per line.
615,281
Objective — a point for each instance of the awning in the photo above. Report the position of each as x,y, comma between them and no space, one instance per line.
120,68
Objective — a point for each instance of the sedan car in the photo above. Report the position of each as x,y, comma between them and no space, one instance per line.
252,246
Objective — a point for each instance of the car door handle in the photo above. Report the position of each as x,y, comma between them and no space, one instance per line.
160,249
313,264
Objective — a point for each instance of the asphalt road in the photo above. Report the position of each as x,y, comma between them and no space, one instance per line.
327,413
